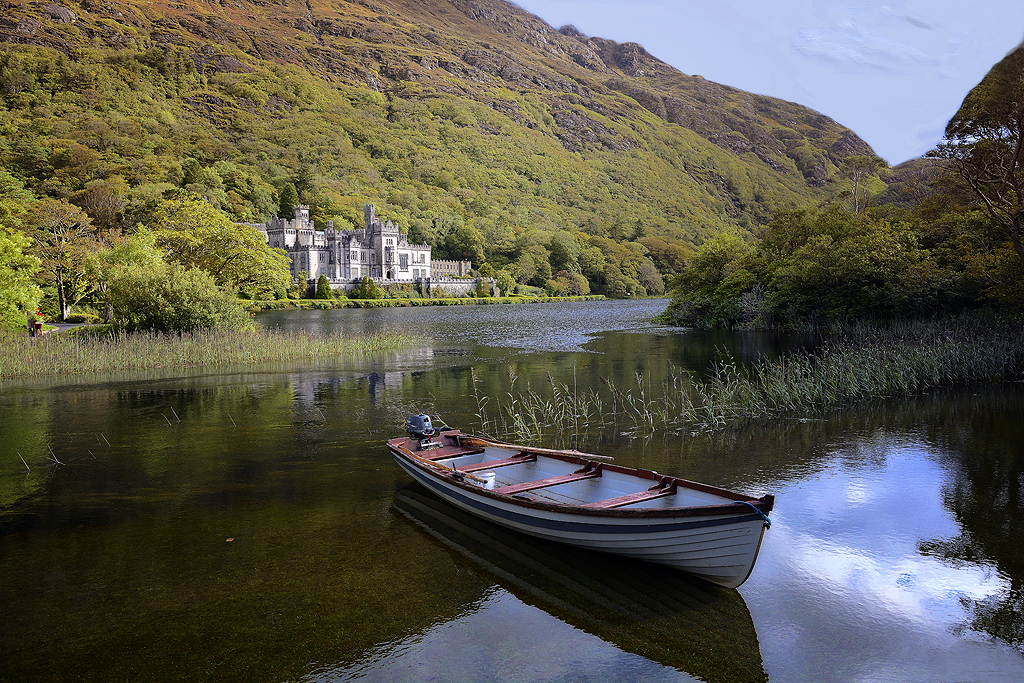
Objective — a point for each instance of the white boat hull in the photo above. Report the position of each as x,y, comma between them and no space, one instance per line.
720,546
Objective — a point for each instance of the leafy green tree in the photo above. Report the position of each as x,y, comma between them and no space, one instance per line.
105,202
288,201
367,289
668,256
565,252
632,269
592,261
137,249
984,143
196,235
19,294
299,289
810,267
170,298
566,283
856,170
699,297
506,283
65,243
323,288
534,265
15,202
616,285
649,278
879,271
466,243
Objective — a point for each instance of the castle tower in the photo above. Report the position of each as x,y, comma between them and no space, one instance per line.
382,239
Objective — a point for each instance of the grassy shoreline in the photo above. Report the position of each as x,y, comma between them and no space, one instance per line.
95,352
327,304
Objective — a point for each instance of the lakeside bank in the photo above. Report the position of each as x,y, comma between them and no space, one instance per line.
327,304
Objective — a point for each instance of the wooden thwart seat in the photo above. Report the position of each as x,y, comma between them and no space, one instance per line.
489,464
448,452
656,491
588,472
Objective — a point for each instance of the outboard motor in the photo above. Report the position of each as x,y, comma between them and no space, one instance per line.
420,428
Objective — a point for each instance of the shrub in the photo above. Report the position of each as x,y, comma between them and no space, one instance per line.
367,289
169,298
323,288
506,283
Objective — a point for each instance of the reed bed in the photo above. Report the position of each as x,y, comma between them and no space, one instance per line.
64,354
861,363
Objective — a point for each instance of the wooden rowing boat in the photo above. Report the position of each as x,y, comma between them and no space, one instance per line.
641,608
582,500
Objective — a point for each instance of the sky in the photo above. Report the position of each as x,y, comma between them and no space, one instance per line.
894,72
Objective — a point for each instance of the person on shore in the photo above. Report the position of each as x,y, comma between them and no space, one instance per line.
35,323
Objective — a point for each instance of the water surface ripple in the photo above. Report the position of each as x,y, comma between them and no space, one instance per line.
247,524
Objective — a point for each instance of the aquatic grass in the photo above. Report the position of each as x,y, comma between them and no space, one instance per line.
481,402
861,363
65,354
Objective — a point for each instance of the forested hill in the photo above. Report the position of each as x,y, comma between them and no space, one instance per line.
448,114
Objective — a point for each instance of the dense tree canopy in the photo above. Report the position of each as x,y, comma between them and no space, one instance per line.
195,235
815,266
19,294
985,143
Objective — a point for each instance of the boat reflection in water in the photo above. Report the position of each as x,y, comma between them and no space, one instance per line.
653,611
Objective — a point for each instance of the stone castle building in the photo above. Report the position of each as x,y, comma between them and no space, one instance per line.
378,251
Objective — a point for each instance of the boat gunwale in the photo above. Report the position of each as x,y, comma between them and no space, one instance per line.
764,504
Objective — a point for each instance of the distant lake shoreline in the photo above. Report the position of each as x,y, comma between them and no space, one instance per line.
326,304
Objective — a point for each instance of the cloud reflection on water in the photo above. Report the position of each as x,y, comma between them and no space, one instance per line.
844,572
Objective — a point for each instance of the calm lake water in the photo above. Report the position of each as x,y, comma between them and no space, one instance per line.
248,524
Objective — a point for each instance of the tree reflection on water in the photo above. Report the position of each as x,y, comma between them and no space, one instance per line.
985,461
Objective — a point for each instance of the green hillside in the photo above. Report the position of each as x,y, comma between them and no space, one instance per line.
476,126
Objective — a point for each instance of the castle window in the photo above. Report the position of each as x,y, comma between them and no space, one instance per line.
403,262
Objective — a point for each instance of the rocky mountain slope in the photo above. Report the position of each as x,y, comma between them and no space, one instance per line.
441,111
